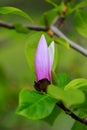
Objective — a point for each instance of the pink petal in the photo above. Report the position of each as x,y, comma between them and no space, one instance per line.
42,63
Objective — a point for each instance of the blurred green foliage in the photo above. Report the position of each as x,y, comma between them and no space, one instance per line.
16,74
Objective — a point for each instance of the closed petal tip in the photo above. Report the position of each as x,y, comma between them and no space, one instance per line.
42,60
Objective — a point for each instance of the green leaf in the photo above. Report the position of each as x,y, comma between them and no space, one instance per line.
20,28
63,79
83,107
31,46
80,5
35,105
52,3
82,85
80,22
79,126
69,97
63,122
52,117
13,10
77,83
62,42
49,16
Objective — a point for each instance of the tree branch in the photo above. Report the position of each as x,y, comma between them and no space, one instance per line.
72,44
54,29
70,113
57,22
31,27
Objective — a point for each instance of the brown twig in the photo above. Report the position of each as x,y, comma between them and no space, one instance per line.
31,27
54,29
72,44
70,113
42,85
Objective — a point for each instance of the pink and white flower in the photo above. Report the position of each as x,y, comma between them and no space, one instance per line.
44,59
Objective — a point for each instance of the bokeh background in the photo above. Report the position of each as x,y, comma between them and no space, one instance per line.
15,73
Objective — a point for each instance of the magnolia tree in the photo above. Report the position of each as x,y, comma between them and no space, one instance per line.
52,92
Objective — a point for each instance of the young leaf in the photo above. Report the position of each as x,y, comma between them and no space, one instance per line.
35,105
13,10
20,28
63,79
69,97
62,42
80,22
77,83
